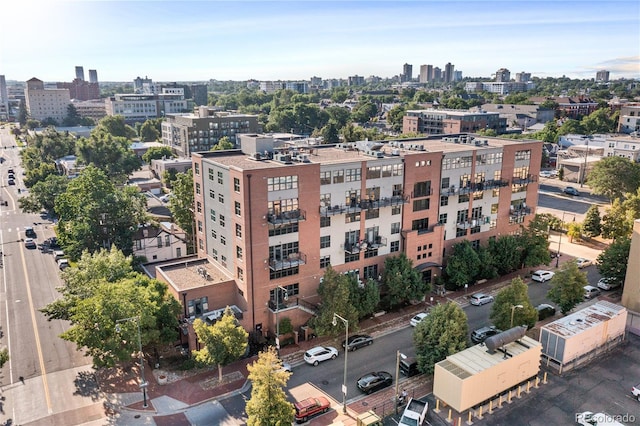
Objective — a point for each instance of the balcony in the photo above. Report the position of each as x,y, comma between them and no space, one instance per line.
286,217
525,180
515,212
290,261
293,303
474,222
362,245
356,207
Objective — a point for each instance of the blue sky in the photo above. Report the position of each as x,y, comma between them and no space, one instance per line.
289,40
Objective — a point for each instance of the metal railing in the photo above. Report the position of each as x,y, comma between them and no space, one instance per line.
291,261
362,245
359,206
286,217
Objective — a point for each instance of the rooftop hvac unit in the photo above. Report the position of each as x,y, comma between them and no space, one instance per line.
304,158
395,152
256,156
504,338
283,158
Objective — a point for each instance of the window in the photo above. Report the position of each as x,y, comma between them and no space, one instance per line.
283,229
348,257
240,273
199,226
238,230
325,241
221,198
237,208
523,155
397,190
199,206
213,215
274,275
239,252
325,261
370,253
395,246
220,179
338,176
372,214
463,198
196,168
370,272
167,240
282,183
325,222
222,220
442,219
139,244
223,240
374,172
236,185
422,189
198,188
325,178
444,200
387,171
214,254
325,200
212,194
461,232
354,175
395,210
422,204
214,234
420,225
159,240
352,217
395,228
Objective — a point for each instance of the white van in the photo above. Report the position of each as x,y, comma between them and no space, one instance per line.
58,254
63,264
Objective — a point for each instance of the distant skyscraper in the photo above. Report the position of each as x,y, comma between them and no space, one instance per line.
407,72
457,76
523,77
4,98
437,74
602,75
138,83
93,76
448,72
424,76
80,73
503,75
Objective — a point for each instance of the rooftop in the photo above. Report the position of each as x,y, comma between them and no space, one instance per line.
190,274
585,318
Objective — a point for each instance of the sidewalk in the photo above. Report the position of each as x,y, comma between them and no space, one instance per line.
168,403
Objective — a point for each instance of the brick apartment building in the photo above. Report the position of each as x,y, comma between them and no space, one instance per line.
274,214
435,121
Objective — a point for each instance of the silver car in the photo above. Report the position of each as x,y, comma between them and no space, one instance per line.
317,354
480,299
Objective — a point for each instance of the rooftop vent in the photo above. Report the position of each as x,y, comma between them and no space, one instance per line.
504,338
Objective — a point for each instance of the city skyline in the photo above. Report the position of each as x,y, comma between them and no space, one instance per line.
262,40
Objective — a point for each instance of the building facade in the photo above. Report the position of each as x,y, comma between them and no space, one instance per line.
602,76
141,107
81,90
274,215
629,120
503,75
434,121
44,103
201,131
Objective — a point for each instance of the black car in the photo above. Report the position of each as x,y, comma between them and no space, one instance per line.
481,334
29,232
545,311
570,190
372,382
357,341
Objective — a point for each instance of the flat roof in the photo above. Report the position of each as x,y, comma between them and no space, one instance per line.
477,358
190,274
584,319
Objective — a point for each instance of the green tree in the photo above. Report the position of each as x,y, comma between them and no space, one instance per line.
224,342
549,133
402,281
364,297
181,204
506,253
534,243
516,294
462,265
601,120
149,131
591,226
334,292
612,262
442,333
571,126
339,115
156,153
567,287
614,176
115,126
43,194
23,114
395,117
223,143
268,405
4,357
617,221
94,214
112,154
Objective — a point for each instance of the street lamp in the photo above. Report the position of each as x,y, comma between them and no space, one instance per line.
398,356
513,309
560,237
286,297
143,382
346,351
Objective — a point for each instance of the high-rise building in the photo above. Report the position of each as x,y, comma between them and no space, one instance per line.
275,214
138,84
93,76
448,72
523,77
602,75
80,73
503,75
424,74
407,73
4,99
44,103
437,74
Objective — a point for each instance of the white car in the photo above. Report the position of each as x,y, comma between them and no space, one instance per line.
589,418
317,354
542,276
607,284
546,174
418,319
480,299
582,262
635,391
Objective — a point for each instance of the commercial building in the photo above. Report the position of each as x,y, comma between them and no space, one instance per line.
579,337
44,103
503,75
629,120
574,107
631,289
81,90
201,131
141,107
273,215
602,76
522,116
94,108
437,121
502,88
407,73
448,72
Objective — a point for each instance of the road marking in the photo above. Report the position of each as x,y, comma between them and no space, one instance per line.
37,335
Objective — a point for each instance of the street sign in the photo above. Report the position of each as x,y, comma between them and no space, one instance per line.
344,390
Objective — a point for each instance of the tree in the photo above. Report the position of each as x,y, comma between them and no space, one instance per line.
617,221
506,253
612,262
223,143
516,294
94,214
534,242
402,281
72,118
112,154
156,153
102,289
115,125
43,194
462,265
365,297
334,292
181,204
574,230
225,341
442,333
268,404
591,226
4,357
149,132
567,287
329,133
614,176
600,121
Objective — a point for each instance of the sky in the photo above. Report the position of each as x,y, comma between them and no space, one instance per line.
296,40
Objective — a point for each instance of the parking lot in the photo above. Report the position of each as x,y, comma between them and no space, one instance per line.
603,386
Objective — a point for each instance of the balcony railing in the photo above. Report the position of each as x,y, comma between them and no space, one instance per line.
356,207
468,224
486,185
286,217
525,180
292,303
362,245
519,211
291,261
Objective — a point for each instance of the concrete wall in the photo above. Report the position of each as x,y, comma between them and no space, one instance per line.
631,291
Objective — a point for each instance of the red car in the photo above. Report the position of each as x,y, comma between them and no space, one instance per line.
310,407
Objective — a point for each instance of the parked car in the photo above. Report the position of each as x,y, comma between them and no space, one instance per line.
480,335
29,232
553,254
582,262
311,407
409,366
357,341
589,418
546,174
11,182
375,381
29,243
418,319
480,299
635,391
542,276
570,190
545,311
286,367
63,264
607,284
317,354
590,292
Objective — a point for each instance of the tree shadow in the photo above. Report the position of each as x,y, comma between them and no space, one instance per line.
87,385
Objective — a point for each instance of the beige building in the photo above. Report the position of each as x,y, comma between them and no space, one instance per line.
46,103
579,337
474,376
631,291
